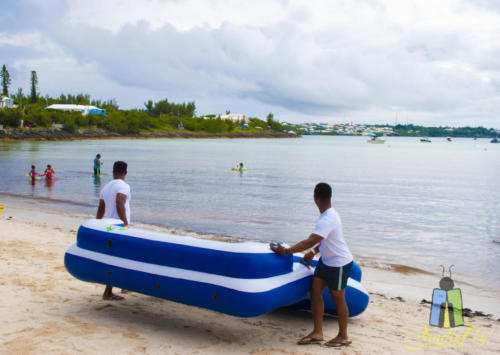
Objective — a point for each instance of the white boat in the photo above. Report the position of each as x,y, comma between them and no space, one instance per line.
375,140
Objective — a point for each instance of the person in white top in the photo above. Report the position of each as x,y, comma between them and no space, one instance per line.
333,267
114,202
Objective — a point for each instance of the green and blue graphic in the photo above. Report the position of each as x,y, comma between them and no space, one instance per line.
446,308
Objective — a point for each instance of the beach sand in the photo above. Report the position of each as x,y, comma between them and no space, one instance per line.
45,310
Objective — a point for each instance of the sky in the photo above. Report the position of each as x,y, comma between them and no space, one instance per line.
365,61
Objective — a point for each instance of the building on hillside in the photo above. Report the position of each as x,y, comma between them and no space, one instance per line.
7,102
235,117
84,109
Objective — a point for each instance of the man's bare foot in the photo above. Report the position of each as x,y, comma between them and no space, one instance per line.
112,297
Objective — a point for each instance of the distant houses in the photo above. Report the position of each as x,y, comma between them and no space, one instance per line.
340,129
7,102
235,117
84,109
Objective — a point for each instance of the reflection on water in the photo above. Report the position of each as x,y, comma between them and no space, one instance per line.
97,185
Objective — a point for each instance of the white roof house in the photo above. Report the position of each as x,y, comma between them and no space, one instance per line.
7,102
235,117
84,109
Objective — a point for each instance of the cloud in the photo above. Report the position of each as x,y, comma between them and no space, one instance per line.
327,60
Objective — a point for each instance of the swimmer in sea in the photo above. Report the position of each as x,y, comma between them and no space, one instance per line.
33,174
49,173
97,165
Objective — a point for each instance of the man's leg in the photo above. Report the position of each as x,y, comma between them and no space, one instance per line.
342,315
108,294
317,307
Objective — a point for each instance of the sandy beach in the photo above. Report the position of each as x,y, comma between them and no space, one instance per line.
45,310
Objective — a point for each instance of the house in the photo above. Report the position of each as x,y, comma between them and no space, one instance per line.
7,102
235,117
84,109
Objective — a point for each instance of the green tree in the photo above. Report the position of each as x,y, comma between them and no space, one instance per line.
69,124
19,97
149,106
5,80
34,87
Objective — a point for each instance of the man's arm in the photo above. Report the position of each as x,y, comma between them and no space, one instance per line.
120,207
300,246
100,209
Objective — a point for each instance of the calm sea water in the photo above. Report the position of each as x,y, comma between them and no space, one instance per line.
407,202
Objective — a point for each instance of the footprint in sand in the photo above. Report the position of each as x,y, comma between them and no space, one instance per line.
100,308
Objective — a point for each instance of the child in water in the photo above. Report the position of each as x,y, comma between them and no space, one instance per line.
33,173
49,172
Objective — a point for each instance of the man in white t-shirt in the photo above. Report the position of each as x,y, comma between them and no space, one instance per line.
114,202
333,267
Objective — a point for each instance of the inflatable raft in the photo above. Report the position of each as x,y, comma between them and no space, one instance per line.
241,279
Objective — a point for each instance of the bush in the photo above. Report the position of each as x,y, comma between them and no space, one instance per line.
10,117
69,124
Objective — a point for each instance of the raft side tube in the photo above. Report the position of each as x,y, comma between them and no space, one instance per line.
240,260
237,297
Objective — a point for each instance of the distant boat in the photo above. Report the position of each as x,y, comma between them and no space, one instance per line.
495,140
375,140
448,139
425,140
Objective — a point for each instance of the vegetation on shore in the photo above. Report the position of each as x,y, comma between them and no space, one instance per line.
160,116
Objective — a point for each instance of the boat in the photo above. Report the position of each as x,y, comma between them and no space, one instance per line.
425,140
240,279
495,140
375,140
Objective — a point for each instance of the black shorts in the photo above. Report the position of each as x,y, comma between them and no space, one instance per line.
336,277
97,172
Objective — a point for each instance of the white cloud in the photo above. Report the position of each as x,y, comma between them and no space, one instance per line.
323,60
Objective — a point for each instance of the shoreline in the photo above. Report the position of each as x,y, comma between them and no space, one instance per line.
383,276
56,134
50,311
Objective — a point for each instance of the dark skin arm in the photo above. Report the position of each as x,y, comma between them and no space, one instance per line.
120,207
300,246
100,209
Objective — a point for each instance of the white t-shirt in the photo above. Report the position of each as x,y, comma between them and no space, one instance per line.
333,248
108,194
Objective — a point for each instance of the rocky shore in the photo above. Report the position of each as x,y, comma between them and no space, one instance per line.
42,134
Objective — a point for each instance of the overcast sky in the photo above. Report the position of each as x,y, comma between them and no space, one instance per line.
367,61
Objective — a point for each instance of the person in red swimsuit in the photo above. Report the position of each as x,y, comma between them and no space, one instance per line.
49,173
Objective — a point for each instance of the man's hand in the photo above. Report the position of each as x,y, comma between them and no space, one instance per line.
278,248
309,256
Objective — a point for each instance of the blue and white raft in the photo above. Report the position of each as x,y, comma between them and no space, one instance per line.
241,279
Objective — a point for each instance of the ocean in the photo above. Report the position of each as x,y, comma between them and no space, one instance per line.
402,202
